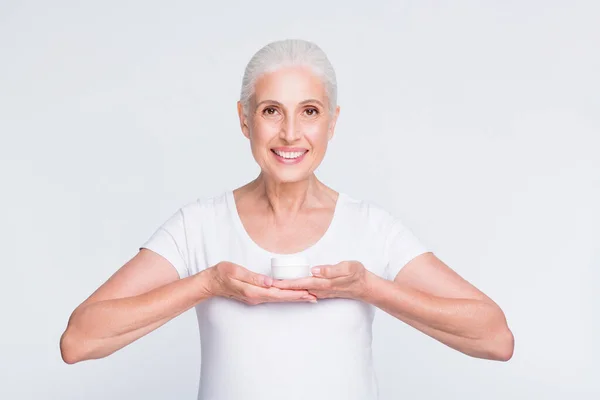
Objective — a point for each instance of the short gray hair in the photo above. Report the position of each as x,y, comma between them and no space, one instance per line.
289,52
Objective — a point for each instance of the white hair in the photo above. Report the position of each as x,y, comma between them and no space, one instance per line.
285,53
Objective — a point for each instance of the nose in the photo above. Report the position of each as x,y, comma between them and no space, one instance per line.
289,130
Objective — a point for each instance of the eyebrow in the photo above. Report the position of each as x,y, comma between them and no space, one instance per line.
301,103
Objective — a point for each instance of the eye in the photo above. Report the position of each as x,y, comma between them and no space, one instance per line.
311,112
269,111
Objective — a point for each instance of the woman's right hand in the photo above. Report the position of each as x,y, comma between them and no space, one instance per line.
231,280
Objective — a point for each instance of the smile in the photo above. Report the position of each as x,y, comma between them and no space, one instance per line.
289,155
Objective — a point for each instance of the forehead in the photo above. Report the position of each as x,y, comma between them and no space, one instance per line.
290,85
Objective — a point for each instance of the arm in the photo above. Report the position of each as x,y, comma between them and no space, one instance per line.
431,297
146,293
140,297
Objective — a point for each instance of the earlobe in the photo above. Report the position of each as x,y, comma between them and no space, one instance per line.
243,120
333,122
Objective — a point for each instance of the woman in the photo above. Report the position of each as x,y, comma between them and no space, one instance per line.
302,338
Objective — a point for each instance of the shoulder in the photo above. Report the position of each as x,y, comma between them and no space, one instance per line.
368,219
205,207
368,212
376,220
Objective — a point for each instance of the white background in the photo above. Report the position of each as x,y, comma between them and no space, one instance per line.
476,122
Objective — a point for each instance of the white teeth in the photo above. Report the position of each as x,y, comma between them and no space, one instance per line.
289,154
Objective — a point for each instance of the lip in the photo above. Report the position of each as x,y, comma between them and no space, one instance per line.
288,161
289,149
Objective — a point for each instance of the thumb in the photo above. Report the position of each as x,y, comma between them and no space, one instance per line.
329,271
321,271
255,279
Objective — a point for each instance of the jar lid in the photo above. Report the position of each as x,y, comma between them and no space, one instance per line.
289,261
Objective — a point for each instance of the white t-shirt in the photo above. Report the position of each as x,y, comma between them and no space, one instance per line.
287,351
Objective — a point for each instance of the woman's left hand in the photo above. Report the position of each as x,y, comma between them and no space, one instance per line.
347,279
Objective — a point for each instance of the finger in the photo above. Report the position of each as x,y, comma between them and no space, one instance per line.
331,271
274,294
302,283
252,278
293,284
320,294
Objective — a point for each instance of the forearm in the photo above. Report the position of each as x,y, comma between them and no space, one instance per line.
100,348
101,328
474,327
491,348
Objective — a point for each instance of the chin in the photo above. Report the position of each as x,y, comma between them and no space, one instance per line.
290,176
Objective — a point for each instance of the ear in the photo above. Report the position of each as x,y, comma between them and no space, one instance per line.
243,120
332,123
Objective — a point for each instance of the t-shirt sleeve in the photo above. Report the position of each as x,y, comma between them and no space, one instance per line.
170,241
401,247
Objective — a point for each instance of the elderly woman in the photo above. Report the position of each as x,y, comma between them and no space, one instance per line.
305,338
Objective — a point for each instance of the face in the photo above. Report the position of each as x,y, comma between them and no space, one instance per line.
289,123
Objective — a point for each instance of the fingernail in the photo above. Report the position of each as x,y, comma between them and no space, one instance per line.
313,301
268,281
316,271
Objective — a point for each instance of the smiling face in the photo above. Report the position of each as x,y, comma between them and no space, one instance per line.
289,123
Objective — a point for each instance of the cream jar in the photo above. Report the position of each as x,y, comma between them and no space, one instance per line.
290,267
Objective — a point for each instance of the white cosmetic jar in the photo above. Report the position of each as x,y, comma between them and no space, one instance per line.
290,267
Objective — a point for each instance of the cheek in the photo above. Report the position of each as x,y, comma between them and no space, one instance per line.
263,131
316,134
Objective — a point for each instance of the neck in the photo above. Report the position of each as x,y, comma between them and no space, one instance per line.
288,197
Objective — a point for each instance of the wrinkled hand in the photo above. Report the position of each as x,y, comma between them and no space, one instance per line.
234,281
348,279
